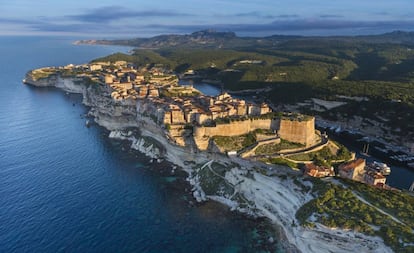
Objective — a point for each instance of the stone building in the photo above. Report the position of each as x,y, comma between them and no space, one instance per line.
352,170
374,178
298,130
318,171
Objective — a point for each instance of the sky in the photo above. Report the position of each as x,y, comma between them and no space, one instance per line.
137,18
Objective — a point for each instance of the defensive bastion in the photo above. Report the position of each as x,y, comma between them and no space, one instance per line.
298,128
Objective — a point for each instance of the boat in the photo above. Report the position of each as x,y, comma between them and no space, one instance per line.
379,167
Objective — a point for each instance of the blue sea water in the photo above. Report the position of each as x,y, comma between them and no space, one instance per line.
67,188
205,88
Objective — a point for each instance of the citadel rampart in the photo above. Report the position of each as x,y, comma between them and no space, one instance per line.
235,128
299,131
293,130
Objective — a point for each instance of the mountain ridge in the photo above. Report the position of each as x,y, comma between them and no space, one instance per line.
221,39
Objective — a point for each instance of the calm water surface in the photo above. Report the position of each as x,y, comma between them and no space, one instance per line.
205,88
67,188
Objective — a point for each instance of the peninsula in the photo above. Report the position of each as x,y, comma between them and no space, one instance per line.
235,152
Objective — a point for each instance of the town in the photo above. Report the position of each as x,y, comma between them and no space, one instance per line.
222,123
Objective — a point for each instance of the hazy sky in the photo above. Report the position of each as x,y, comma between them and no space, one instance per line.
128,18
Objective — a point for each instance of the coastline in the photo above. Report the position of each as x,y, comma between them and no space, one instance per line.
276,199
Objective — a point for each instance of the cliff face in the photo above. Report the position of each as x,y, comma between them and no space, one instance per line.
250,192
69,84
42,82
108,113
112,115
117,116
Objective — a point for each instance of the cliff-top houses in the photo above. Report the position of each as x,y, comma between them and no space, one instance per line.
313,170
177,106
356,170
353,170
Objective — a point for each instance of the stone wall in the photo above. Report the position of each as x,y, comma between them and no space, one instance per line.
235,128
293,130
177,117
203,134
299,131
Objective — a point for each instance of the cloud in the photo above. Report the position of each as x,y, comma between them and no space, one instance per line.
330,16
261,15
382,13
89,28
327,25
18,21
297,26
248,14
287,16
254,14
113,13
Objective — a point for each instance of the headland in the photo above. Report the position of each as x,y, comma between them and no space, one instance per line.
167,121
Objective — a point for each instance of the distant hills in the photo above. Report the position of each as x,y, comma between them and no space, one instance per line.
200,39
215,39
294,68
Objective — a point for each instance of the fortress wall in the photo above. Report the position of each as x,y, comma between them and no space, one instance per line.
202,142
290,130
233,128
298,131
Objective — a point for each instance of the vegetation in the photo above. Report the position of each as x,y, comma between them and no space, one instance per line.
274,148
235,143
397,203
42,73
116,57
280,161
325,156
213,183
298,68
264,131
212,180
359,66
336,206
179,92
227,120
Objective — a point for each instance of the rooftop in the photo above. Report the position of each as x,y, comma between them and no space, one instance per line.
352,164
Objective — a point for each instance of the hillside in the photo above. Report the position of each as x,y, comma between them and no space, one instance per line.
215,39
312,66
200,39
292,69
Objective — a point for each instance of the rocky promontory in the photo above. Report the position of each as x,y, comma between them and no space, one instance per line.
257,189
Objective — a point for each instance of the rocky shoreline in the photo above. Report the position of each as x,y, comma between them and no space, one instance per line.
254,188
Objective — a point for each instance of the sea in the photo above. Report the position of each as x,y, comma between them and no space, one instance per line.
65,187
